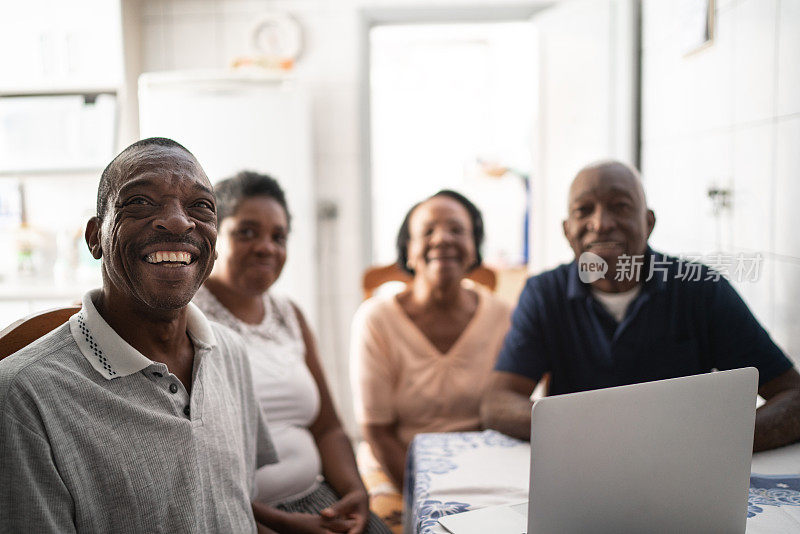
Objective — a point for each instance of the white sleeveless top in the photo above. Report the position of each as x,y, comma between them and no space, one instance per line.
285,390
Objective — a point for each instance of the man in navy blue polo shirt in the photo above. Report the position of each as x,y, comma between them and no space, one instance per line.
621,314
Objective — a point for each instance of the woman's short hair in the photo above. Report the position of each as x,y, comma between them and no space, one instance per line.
404,235
246,184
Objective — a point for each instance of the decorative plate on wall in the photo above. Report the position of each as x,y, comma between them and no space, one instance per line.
277,36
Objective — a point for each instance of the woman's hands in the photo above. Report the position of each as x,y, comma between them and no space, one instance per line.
348,515
317,524
334,521
352,507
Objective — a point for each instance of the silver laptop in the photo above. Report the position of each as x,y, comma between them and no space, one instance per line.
666,456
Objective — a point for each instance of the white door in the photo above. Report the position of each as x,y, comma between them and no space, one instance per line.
587,73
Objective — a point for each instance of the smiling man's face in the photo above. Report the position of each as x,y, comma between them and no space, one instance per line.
607,213
159,229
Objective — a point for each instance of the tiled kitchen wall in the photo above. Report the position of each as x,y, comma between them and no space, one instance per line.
728,116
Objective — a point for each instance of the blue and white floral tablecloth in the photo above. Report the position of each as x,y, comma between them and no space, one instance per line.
455,472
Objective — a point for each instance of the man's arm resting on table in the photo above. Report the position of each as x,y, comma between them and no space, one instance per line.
506,405
388,450
778,419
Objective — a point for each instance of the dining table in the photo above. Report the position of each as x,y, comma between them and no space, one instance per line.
449,473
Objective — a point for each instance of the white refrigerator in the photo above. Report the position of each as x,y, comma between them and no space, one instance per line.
258,122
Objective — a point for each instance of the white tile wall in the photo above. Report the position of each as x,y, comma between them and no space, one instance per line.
154,44
180,8
787,188
789,57
234,30
686,93
658,23
759,294
678,176
728,115
724,5
752,187
660,103
152,9
658,171
335,104
192,40
243,7
332,38
786,328
754,28
709,74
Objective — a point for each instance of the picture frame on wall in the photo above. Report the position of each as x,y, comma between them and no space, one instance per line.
697,25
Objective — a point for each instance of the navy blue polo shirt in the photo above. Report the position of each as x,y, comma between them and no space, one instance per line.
677,325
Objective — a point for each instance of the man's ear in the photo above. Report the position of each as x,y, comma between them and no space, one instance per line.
650,217
564,228
92,236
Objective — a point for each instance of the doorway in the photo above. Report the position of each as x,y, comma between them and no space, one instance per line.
451,105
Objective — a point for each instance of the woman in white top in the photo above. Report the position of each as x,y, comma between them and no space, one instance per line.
315,486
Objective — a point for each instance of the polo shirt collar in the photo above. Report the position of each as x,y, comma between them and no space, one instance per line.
575,288
112,356
578,290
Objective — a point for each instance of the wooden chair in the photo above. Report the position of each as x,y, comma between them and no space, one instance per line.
27,330
374,277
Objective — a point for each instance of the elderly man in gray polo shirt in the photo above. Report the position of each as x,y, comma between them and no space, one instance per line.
138,415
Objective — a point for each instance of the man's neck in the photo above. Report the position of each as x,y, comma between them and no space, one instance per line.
614,286
160,335
632,277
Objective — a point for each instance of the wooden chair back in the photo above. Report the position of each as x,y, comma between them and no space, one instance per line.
376,276
27,330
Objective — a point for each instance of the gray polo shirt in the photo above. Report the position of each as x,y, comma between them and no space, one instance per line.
96,437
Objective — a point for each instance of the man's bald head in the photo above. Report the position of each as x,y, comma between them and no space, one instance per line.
614,170
137,156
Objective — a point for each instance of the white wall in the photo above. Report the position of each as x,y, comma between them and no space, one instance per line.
728,116
586,107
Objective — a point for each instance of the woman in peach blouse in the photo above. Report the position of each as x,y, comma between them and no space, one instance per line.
421,358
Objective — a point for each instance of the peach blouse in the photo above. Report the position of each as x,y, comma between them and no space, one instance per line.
400,377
